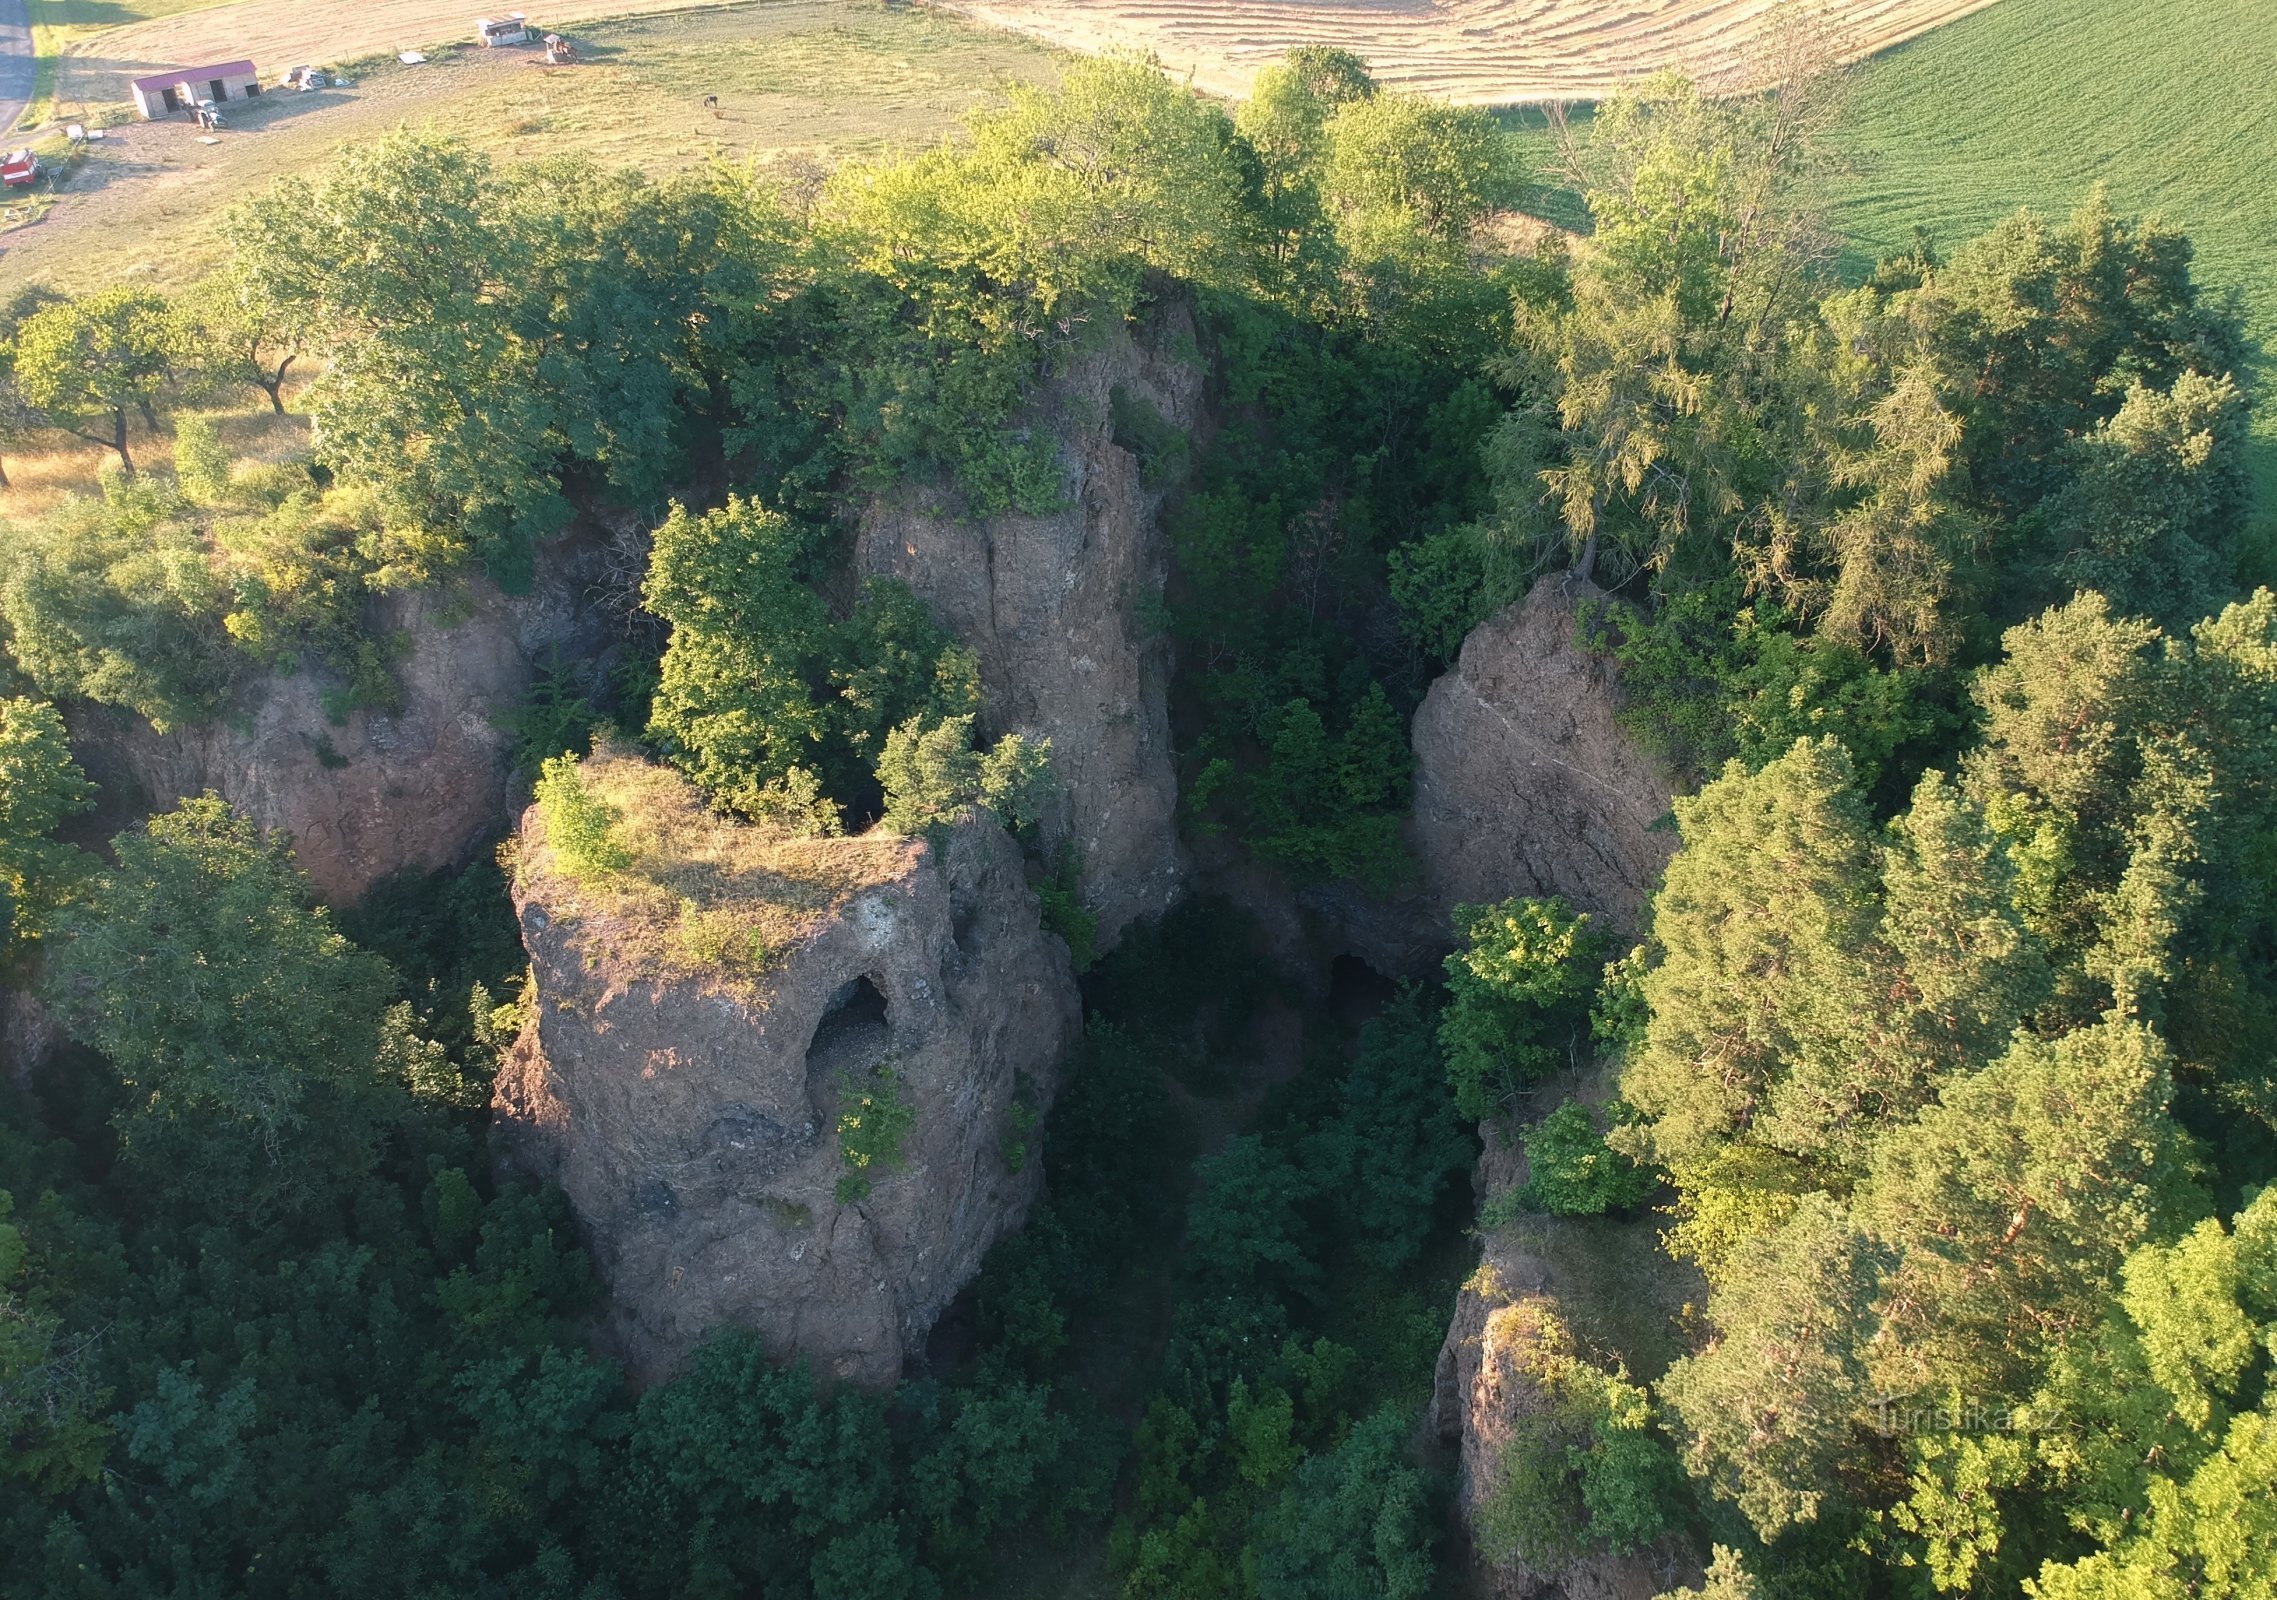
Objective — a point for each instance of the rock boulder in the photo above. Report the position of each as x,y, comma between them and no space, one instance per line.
1525,781
1488,1382
692,1115
370,792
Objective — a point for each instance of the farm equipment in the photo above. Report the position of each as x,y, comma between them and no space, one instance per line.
493,31
19,169
305,78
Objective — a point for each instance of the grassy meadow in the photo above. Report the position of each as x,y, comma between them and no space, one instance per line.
57,25
801,85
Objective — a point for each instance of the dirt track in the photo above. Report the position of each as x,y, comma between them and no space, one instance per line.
284,33
1479,52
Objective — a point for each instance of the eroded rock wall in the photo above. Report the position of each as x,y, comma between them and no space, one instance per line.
1525,781
694,1126
374,791
1061,608
1486,1386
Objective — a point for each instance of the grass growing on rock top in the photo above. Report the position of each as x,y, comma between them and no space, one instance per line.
675,890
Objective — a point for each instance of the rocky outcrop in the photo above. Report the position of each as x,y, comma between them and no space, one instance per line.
693,1118
1490,1378
1060,609
369,792
1525,781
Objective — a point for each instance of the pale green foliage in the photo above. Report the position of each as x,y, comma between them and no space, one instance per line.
158,602
1519,996
230,332
734,708
1762,925
462,312
1726,1579
94,359
1912,1090
1406,177
2158,492
2009,1206
779,711
1572,1172
580,825
1768,1408
117,600
201,461
2152,1431
929,772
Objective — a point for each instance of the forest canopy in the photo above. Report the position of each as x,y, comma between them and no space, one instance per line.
1945,1054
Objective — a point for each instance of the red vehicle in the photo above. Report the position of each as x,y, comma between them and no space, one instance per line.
19,169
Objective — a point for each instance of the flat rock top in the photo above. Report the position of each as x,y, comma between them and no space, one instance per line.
703,897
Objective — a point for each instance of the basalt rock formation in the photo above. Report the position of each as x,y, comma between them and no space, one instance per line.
690,1105
1525,781
373,791
1489,1382
1059,607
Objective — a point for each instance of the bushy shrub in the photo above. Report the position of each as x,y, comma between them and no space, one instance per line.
580,825
1572,1173
874,1117
1519,1005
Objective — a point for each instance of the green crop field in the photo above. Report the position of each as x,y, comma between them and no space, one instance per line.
2172,105
2033,102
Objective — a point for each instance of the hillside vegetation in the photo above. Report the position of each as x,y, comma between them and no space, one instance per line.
1948,1054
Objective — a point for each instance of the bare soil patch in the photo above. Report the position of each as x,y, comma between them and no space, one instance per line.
1475,52
286,33
800,85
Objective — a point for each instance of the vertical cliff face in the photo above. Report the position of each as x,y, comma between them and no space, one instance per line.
373,791
1059,609
701,1027
1525,781
1527,784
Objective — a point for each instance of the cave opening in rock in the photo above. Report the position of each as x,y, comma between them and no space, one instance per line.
1356,990
854,1031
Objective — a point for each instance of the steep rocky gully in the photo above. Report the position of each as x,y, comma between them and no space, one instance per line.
697,1032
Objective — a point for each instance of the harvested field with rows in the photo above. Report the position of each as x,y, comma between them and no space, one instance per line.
1475,52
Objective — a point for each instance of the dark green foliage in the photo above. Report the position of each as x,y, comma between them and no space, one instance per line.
451,938
1354,1524
1571,1172
556,717
1395,1141
1338,451
1161,447
1059,893
252,1038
